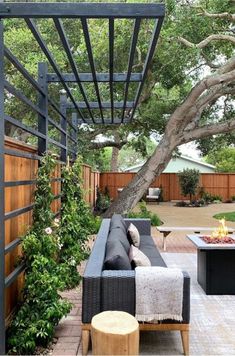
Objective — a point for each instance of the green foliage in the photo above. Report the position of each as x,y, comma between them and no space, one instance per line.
211,198
189,180
76,224
41,307
102,200
223,159
146,214
227,216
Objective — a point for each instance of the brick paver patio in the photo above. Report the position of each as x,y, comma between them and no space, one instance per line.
68,332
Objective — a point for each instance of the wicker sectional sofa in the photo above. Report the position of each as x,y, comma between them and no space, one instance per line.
115,289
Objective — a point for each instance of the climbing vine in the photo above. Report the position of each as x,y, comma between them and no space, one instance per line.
77,223
41,307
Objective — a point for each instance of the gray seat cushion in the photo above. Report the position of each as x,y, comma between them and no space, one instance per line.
148,247
116,257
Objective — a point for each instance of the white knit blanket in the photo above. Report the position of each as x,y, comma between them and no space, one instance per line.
159,293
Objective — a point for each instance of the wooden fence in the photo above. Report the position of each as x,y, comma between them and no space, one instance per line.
222,184
21,196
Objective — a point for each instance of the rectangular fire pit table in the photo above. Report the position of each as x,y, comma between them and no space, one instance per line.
215,266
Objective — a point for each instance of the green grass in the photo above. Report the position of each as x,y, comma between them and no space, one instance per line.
227,216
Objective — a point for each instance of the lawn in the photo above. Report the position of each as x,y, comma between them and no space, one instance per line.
227,216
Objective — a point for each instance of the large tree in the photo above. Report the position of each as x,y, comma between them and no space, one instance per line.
188,93
209,39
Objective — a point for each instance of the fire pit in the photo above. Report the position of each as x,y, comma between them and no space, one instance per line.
219,235
216,261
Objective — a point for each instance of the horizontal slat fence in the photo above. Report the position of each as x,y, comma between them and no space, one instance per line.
222,184
16,197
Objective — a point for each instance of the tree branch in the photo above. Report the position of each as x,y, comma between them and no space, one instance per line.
222,15
107,143
207,130
222,77
206,41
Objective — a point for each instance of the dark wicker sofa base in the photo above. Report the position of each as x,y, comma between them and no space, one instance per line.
115,289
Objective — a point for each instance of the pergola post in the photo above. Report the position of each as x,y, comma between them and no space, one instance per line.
75,132
63,124
43,106
2,198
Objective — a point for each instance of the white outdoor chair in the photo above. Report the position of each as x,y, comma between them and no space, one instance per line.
153,194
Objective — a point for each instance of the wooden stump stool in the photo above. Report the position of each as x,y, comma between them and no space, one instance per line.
114,333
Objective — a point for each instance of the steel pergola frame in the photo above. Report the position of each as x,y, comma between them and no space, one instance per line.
67,129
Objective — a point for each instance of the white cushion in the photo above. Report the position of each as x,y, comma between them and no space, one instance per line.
138,257
133,235
154,192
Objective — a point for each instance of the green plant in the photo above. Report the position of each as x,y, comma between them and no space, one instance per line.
211,198
41,307
76,224
233,197
145,213
102,200
189,180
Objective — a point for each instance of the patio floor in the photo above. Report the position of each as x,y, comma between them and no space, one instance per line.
212,317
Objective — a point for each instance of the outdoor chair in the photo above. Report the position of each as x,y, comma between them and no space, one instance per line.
153,194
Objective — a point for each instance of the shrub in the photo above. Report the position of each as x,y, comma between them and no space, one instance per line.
146,214
233,197
210,198
189,180
181,203
102,200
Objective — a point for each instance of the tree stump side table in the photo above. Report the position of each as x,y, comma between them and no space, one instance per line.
114,333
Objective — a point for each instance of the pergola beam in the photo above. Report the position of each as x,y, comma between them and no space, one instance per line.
81,10
100,77
106,121
67,48
148,60
131,61
91,61
32,26
105,105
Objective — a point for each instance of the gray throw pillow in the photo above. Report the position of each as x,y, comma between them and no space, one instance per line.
116,257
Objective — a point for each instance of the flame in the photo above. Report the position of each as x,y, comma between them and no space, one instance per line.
221,231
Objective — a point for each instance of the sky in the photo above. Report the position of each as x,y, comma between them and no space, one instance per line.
189,149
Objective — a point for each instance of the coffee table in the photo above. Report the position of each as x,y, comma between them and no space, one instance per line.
215,266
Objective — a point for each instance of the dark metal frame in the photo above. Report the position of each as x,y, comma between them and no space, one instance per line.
67,128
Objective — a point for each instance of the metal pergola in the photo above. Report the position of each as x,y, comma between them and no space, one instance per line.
67,128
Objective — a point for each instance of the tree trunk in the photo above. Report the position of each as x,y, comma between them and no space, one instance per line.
115,153
114,160
131,194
